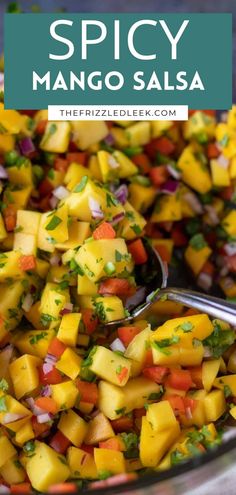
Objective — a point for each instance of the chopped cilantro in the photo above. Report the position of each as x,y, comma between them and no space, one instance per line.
80,187
197,242
186,327
111,200
29,447
4,385
121,410
104,474
54,222
227,391
137,230
3,405
219,340
33,340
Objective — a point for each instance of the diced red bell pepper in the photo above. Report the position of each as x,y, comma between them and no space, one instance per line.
116,286
45,188
163,251
104,231
67,487
158,175
51,378
87,448
88,391
21,488
178,237
90,320
41,127
138,252
27,262
143,163
80,157
56,348
156,373
112,444
212,151
126,334
47,404
39,428
179,379
176,403
125,423
162,145
59,442
61,164
227,193
231,263
139,413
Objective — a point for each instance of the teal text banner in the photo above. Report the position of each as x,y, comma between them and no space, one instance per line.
118,59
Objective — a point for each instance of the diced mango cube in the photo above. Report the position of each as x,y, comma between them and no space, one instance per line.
69,363
73,427
109,460
46,467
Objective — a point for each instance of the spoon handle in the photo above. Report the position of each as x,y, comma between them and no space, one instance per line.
213,306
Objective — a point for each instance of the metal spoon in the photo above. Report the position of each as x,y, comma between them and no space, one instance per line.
155,274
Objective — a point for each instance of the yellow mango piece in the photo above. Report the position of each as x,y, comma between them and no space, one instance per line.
42,267
153,444
126,167
56,137
197,258
25,433
56,224
232,168
14,407
86,287
210,371
132,225
3,232
120,138
220,175
69,363
138,134
93,257
33,315
198,124
159,127
161,416
6,450
194,172
74,174
10,120
69,327
166,308
20,176
214,405
228,380
110,366
87,133
190,355
99,429
24,374
12,471
167,209
116,401
109,460
81,464
65,394
109,308
10,266
26,243
141,197
77,233
229,223
232,411
198,415
137,349
108,166
73,427
85,407
28,221
46,467
7,143
34,342
186,328
93,167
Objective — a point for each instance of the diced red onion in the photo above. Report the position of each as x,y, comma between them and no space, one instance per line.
167,226
212,214
46,391
35,409
117,218
230,248
12,417
204,281
224,117
176,174
4,489
55,260
44,418
112,162
26,146
60,192
47,368
122,194
170,187
3,172
95,208
30,402
27,302
193,202
117,345
50,359
109,140
223,161
68,308
53,201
